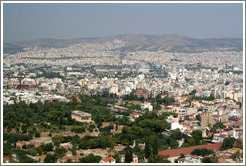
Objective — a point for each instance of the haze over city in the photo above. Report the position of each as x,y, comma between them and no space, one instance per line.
68,21
123,83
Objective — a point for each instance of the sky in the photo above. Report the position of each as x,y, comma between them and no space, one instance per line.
22,22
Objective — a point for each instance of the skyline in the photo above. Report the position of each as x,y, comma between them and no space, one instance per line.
23,22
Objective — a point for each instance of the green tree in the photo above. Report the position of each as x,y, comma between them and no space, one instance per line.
117,157
90,159
219,125
157,106
181,155
237,156
155,146
147,150
27,159
60,151
74,152
37,134
47,147
50,158
202,152
191,142
136,148
193,92
228,143
239,144
197,136
128,155
198,117
210,160
158,159
176,134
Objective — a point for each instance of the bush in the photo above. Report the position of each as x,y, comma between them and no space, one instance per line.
47,147
78,130
90,159
228,143
50,158
202,152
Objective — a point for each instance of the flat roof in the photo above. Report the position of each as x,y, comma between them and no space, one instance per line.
80,113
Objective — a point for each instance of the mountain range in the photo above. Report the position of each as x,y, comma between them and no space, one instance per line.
167,43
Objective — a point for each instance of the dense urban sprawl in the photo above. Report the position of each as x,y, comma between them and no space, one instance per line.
92,102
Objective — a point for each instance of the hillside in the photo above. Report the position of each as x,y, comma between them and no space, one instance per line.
170,43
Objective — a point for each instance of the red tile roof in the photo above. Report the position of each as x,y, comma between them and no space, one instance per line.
239,129
109,159
188,150
223,135
234,118
241,122
5,158
134,114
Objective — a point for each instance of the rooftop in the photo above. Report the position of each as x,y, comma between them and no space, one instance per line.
80,113
109,159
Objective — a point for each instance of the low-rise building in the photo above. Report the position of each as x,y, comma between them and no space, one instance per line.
108,160
192,159
81,116
146,105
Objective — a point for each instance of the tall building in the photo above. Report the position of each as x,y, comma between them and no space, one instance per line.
207,120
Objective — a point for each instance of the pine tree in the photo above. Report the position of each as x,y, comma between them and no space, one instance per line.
128,156
147,150
155,146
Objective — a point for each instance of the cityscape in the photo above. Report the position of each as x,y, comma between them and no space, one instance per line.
123,99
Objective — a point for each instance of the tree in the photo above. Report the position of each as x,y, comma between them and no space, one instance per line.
158,159
136,148
219,125
239,144
60,152
237,156
90,159
74,149
176,134
193,92
202,152
147,150
191,142
47,147
128,156
69,161
27,159
181,155
50,158
157,106
155,146
197,136
37,134
117,157
228,143
198,117
210,160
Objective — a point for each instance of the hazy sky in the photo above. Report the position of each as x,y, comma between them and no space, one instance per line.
67,21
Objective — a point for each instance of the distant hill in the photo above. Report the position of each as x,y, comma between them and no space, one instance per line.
170,43
12,48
